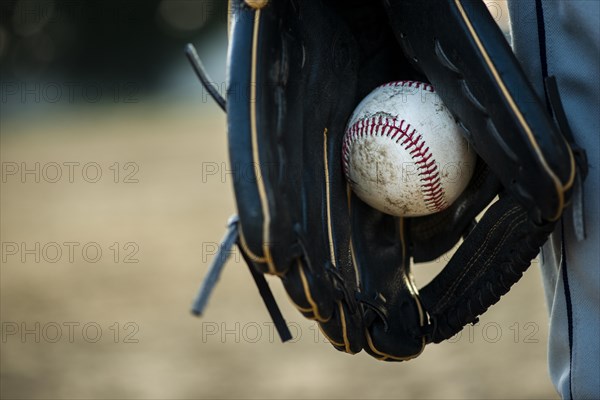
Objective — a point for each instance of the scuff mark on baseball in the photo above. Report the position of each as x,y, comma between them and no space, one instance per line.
404,153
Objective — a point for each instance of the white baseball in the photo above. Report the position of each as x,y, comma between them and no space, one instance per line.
403,152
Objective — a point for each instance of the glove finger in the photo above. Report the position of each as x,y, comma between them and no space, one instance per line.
392,313
343,328
311,295
491,259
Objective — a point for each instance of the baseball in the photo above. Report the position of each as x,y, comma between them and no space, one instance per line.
403,153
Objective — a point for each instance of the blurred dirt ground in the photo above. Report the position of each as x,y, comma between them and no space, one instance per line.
125,329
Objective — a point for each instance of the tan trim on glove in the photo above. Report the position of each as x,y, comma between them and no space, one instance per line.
262,192
560,187
309,298
328,200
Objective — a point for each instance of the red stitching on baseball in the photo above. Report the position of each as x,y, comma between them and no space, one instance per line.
410,84
413,142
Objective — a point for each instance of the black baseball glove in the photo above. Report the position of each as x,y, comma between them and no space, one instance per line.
296,71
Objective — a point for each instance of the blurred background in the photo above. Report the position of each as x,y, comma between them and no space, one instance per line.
114,196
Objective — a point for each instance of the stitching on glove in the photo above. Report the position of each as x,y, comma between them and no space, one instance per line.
472,261
515,224
445,299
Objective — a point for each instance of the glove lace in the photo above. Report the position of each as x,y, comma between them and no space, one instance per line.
373,306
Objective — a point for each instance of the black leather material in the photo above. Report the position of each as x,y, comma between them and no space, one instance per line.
306,78
296,71
458,46
391,308
492,258
433,235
